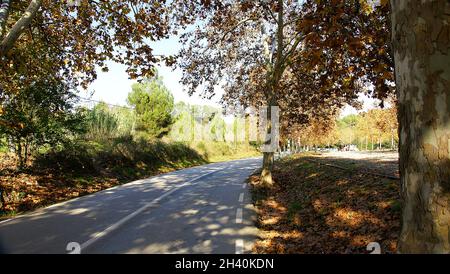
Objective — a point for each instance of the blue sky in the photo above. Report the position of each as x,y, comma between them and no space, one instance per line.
113,86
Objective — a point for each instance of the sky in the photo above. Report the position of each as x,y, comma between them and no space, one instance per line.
113,86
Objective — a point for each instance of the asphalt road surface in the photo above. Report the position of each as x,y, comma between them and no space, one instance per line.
205,209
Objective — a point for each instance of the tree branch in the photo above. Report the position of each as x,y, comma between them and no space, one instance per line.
268,10
297,41
236,26
18,28
280,37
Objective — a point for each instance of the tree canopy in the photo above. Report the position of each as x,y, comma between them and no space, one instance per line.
307,57
43,115
68,42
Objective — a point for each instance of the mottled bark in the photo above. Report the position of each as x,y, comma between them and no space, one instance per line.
17,29
275,71
421,44
4,13
267,166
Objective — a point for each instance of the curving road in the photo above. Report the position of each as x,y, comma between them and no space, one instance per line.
205,209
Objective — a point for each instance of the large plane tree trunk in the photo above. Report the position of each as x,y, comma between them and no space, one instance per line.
268,156
421,44
273,80
266,173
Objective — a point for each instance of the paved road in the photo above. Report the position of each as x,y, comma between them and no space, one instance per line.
204,209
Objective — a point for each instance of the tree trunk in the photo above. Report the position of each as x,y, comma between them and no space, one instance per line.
26,151
235,132
2,199
421,43
266,173
192,124
274,73
247,128
19,154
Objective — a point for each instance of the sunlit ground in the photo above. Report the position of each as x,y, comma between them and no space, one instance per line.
316,208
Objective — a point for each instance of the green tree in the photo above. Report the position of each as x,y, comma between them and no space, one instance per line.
278,52
101,123
42,114
180,130
346,126
154,105
218,128
47,37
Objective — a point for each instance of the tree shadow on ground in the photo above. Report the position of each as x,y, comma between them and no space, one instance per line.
315,208
195,219
80,170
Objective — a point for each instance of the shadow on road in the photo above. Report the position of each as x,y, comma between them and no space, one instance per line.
194,219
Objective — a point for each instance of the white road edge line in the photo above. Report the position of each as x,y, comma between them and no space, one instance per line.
241,197
5,221
239,216
121,222
37,212
239,242
239,246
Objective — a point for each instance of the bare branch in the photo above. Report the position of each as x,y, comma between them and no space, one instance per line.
236,26
268,10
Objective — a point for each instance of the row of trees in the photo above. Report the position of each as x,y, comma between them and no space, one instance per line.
47,115
375,129
311,56
307,57
50,115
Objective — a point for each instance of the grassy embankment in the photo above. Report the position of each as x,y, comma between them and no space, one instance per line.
88,167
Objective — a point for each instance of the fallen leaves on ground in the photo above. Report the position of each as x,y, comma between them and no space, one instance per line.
315,208
30,189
